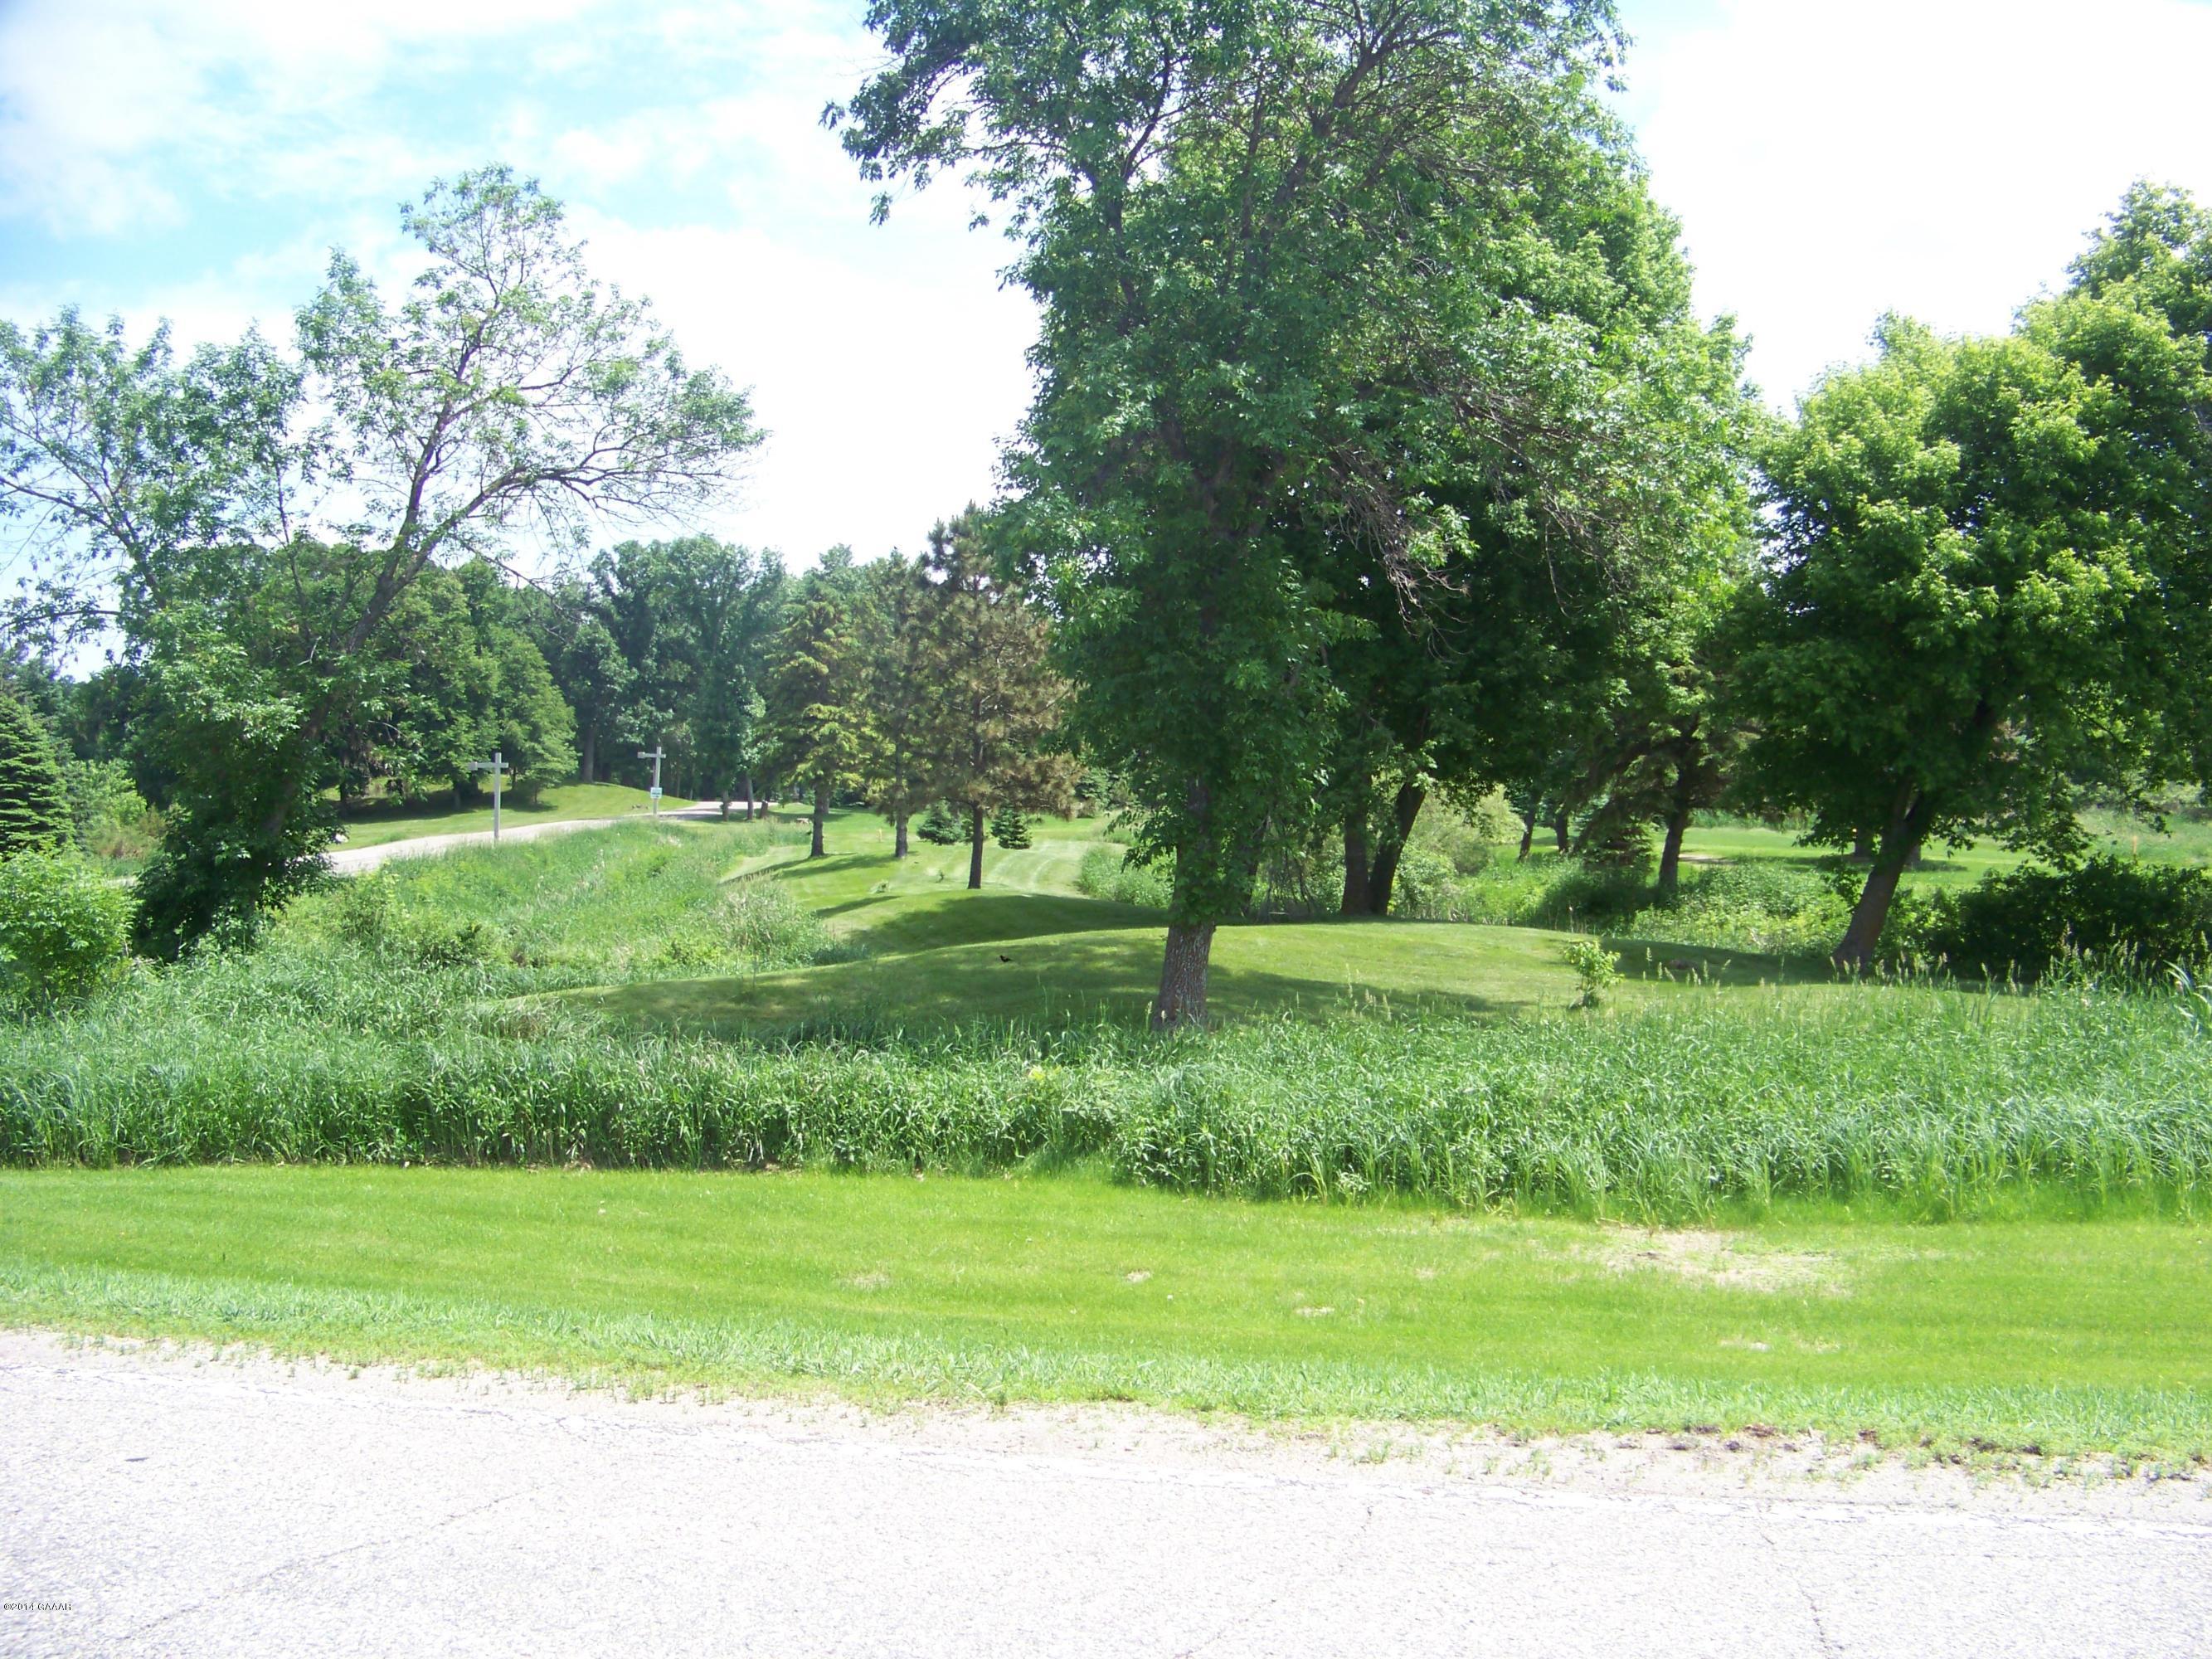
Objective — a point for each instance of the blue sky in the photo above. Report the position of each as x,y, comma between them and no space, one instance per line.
196,159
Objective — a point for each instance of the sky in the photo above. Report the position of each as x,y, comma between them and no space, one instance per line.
197,160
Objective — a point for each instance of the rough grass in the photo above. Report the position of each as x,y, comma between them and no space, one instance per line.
437,1014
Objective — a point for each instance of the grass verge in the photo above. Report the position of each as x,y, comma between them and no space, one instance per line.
2040,1336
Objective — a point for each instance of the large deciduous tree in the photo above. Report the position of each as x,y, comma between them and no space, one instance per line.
507,391
1969,612
1267,241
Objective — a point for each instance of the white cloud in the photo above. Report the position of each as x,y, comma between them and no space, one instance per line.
113,113
1833,159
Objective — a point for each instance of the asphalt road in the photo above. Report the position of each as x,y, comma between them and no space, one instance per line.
152,1505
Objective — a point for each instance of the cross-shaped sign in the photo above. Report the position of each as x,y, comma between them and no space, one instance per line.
656,757
497,768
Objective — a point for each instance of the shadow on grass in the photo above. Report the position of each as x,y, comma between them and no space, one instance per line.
1108,975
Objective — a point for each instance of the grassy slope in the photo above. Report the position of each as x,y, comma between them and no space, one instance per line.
559,803
1064,1288
1027,945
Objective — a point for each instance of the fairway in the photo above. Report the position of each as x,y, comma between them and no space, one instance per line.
1099,968
2036,1334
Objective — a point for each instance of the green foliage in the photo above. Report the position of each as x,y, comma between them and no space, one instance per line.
1991,576
35,808
112,819
1010,827
1596,970
1304,274
64,930
2119,914
509,388
820,731
1107,873
247,831
940,828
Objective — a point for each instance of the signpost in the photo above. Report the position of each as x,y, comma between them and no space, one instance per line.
656,757
497,768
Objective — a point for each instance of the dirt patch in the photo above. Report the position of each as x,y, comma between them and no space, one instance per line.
1729,1261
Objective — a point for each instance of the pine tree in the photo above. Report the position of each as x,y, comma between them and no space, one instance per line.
938,827
818,688
35,809
1010,829
1002,699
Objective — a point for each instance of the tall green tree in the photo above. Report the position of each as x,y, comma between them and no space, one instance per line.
999,702
906,695
819,731
1263,238
507,392
1964,621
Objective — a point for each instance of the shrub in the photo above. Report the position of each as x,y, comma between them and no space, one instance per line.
1596,968
1010,829
64,931
1427,886
2136,917
112,819
1106,873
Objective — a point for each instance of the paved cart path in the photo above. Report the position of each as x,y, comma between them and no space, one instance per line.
169,1505
352,860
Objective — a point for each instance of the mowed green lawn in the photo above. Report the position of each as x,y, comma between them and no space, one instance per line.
2056,1335
560,803
928,950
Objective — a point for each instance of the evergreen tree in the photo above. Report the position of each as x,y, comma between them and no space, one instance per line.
1010,829
33,806
906,695
989,645
817,704
938,827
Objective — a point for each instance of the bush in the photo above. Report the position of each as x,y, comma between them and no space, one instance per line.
112,819
1106,873
1010,829
64,931
1596,970
2141,918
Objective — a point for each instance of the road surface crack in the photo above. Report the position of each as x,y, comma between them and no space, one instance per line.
1343,1554
1759,1513
308,1563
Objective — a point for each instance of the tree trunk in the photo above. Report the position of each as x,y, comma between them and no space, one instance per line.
725,800
749,798
1384,877
1560,827
1355,863
1862,847
975,845
898,837
1900,844
591,757
1182,976
1670,852
820,815
1527,837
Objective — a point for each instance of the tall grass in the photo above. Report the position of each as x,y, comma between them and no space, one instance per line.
1940,1101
